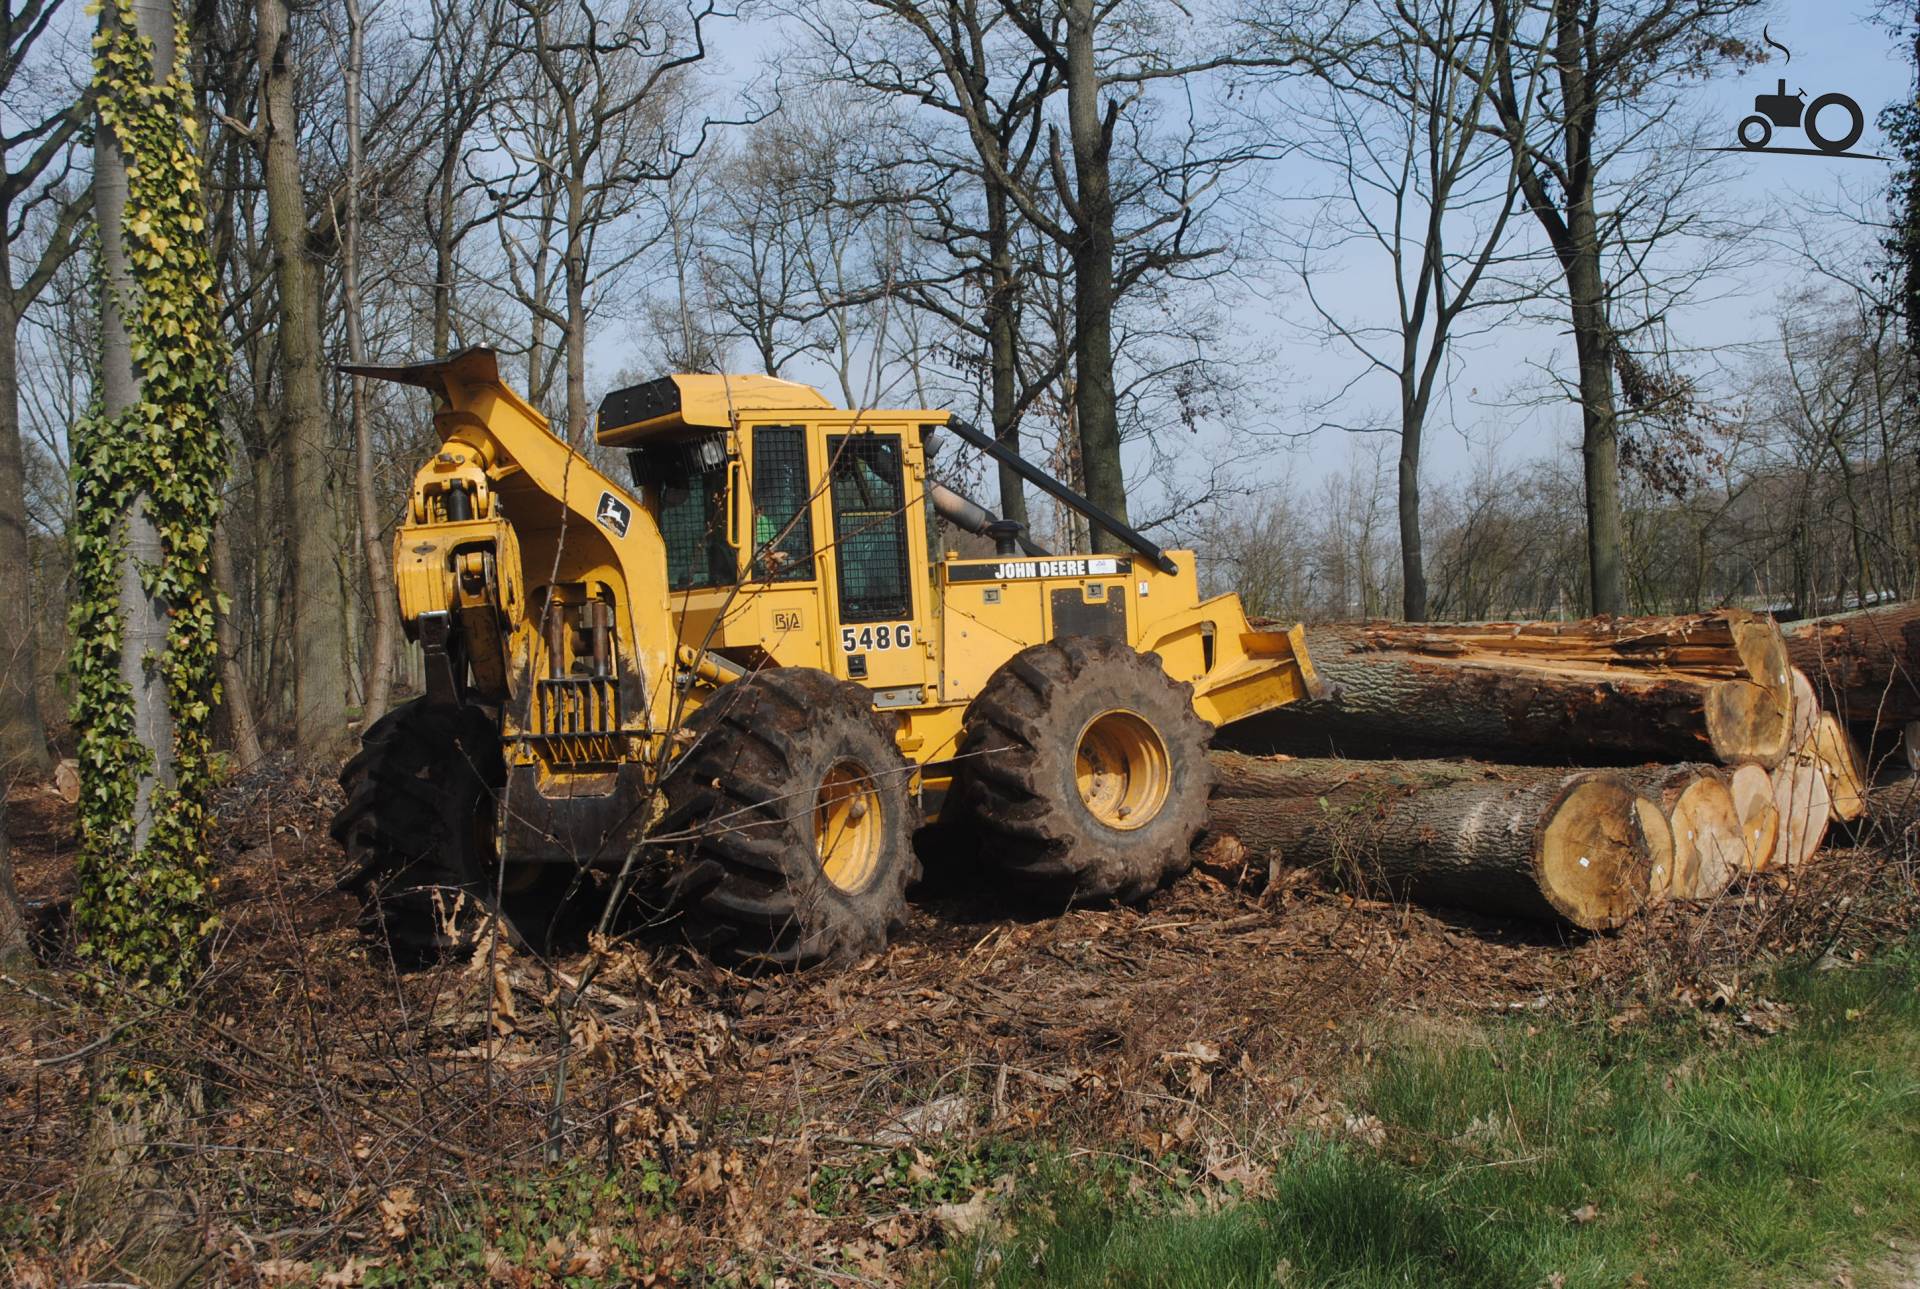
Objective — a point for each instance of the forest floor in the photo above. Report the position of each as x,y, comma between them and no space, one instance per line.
907,1120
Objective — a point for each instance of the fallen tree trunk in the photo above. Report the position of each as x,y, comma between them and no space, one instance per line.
1604,690
1523,841
1892,808
1708,850
1752,790
1866,665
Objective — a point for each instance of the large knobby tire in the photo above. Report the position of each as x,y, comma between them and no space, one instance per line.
1085,768
793,819
418,829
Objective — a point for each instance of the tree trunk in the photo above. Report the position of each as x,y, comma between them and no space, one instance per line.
443,266
380,590
143,618
1514,840
319,609
1866,665
1593,338
235,692
23,735
1003,347
1598,691
1095,400
16,944
1413,573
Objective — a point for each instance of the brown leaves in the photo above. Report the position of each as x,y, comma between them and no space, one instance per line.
398,1207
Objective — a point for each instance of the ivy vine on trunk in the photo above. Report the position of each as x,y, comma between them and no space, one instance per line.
149,462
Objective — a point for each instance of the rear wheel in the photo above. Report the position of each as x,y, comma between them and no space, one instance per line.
792,814
1086,767
418,827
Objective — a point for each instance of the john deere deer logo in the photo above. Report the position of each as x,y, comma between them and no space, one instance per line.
1817,120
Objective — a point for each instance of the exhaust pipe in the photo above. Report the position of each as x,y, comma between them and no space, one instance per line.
1009,537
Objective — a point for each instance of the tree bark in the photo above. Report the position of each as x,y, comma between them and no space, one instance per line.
380,590
1598,691
319,609
1866,665
16,944
235,693
1003,346
23,735
1413,572
1095,400
1520,841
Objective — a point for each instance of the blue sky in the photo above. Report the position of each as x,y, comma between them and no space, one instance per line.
1501,398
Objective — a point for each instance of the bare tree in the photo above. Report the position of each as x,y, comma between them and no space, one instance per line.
1616,67
386,626
1417,179
319,662
37,203
595,120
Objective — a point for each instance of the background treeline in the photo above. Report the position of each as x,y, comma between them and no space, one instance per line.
1071,221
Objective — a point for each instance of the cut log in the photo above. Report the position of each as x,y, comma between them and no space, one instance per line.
1866,665
1523,841
1841,764
1708,848
1236,775
1752,791
1800,794
1601,691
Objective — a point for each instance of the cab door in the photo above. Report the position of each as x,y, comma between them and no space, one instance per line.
876,543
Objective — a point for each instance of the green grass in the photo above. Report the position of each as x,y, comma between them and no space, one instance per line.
1709,1157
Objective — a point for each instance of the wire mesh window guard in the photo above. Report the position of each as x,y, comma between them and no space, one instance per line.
869,527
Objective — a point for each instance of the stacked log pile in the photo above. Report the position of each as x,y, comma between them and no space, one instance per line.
1618,762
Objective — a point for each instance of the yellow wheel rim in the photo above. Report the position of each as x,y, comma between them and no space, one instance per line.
1122,769
847,826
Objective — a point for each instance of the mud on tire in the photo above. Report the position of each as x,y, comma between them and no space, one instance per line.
1046,777
794,820
417,830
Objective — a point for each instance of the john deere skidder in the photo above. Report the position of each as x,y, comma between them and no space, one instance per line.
754,671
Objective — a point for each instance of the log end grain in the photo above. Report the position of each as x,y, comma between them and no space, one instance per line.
1762,646
1844,769
1805,805
1750,722
1595,851
1709,846
1752,790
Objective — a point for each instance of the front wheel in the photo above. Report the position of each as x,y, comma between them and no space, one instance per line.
793,817
418,829
1754,132
1086,766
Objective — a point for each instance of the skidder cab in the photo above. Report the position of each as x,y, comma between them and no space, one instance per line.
754,665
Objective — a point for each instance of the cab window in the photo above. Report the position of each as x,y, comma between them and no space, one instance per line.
687,484
782,522
869,527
